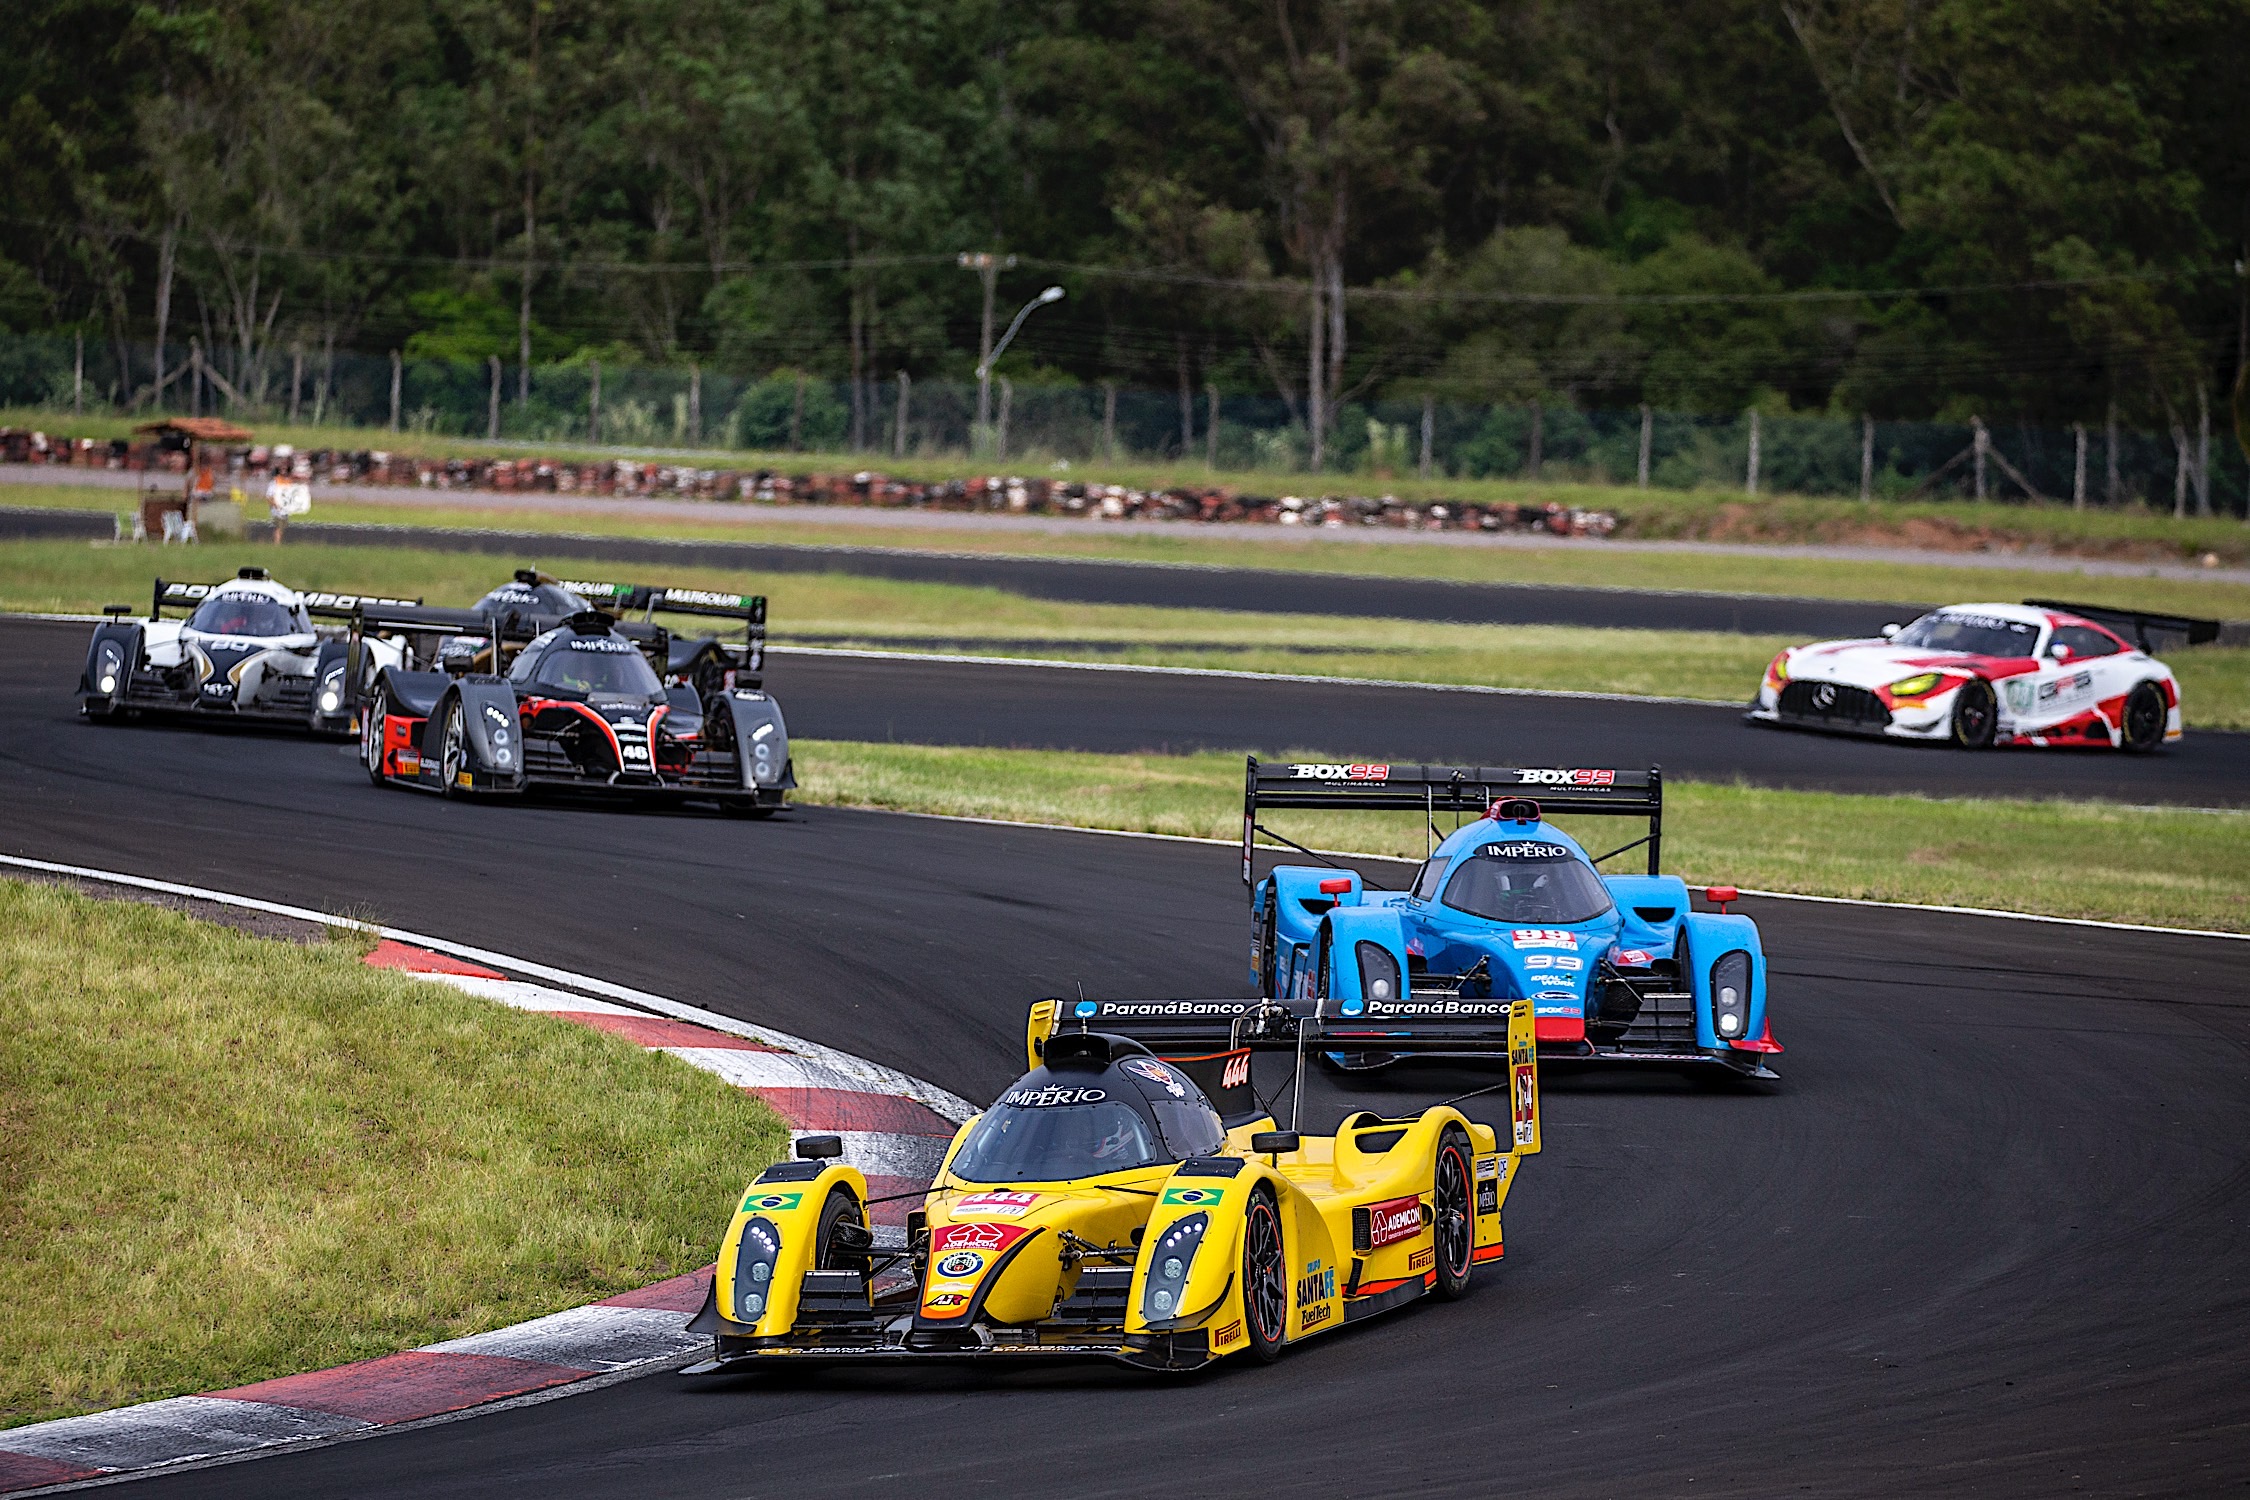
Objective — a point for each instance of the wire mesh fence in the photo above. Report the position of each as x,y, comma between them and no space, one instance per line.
663,408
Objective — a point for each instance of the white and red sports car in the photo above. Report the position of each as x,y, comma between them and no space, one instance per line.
2038,673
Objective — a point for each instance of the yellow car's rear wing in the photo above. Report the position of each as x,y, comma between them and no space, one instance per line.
1212,1040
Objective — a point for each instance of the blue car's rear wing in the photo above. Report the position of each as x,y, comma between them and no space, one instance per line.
1460,790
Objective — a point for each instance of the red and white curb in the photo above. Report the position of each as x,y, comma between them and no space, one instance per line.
894,1128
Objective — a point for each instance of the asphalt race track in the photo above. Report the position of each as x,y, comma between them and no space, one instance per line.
1058,708
1093,581
1985,1237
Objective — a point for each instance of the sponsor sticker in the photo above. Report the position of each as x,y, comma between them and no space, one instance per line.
1053,1094
1156,1073
1155,1009
1393,1220
1329,771
759,1202
462,778
1489,1168
998,1204
1579,777
1237,1071
1423,1259
960,1264
1543,937
1187,1197
705,596
951,1237
945,1302
1227,1335
1424,1009
1524,849
409,762
1633,958
1554,961
1488,1197
1527,1103
601,643
1316,1294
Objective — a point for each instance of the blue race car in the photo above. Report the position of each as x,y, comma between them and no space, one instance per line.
1618,967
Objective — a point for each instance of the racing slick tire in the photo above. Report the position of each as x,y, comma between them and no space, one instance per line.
1453,1214
2142,723
1265,1277
453,749
843,1241
1976,715
372,731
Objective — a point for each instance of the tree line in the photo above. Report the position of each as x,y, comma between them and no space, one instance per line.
1917,208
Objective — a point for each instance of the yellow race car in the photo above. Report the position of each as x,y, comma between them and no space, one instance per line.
1131,1199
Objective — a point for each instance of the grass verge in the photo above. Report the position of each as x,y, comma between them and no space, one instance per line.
842,609
2169,868
1966,527
225,1158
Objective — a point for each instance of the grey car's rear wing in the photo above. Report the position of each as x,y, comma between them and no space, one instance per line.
1460,790
328,606
2139,624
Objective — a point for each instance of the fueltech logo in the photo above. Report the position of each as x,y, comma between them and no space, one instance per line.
1388,1223
1329,772
1567,778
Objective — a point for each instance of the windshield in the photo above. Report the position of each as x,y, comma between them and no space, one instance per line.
593,665
1056,1142
1527,890
1979,635
243,614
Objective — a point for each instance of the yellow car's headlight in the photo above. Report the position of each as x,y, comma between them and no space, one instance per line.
1917,685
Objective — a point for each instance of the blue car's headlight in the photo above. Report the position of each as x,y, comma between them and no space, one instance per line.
1378,972
1168,1266
1730,994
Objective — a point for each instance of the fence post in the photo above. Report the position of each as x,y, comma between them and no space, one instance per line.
492,399
1750,483
1211,425
1983,445
898,434
594,402
396,374
296,380
1538,437
1007,399
1648,440
2203,450
2179,472
2110,456
195,379
1109,420
1429,432
1866,456
78,376
797,417
2078,468
695,405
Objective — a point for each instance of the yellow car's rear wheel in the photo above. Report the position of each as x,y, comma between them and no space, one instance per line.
1265,1277
1454,1212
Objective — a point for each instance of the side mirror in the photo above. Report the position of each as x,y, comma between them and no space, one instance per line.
820,1147
1889,631
1274,1142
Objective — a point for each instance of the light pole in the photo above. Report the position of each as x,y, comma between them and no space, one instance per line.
988,268
984,370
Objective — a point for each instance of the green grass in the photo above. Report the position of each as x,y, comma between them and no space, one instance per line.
226,1158
842,609
1594,564
2171,868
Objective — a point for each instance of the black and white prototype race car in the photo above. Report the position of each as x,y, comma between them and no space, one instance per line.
249,650
537,688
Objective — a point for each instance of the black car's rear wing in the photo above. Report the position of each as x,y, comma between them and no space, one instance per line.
1212,1040
327,606
1460,790
618,598
2139,624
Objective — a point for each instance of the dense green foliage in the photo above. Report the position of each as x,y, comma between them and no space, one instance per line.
1923,208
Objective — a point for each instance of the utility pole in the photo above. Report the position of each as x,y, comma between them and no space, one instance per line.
1648,440
988,268
1866,456
1750,479
1429,434
898,433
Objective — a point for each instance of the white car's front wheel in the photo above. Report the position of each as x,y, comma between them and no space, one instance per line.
1976,715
